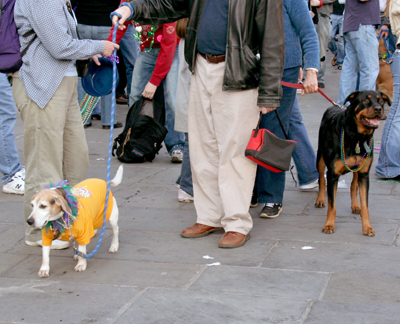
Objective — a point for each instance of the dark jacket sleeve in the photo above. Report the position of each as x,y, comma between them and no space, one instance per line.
272,52
157,12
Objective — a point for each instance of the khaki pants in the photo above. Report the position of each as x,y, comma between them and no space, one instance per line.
55,145
220,126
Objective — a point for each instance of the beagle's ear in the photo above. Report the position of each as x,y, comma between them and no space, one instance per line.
60,201
386,98
352,96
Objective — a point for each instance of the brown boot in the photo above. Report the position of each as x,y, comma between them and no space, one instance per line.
232,240
198,230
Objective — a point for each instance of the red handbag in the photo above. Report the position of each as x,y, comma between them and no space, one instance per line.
268,150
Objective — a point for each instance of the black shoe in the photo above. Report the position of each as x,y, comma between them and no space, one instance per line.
87,125
271,210
321,85
254,199
96,117
116,125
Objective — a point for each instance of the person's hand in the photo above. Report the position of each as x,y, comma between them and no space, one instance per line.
312,14
266,110
109,48
301,75
125,13
385,34
149,90
310,84
315,3
95,58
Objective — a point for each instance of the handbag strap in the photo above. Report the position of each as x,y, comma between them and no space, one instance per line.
279,120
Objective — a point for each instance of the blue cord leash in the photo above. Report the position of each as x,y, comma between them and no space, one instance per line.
114,86
389,55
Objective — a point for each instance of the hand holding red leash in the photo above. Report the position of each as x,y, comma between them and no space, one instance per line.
310,84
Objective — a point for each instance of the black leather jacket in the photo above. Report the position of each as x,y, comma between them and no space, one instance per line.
254,27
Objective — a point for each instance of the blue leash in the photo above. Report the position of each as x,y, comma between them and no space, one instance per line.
113,100
386,42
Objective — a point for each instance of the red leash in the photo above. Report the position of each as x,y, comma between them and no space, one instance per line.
300,86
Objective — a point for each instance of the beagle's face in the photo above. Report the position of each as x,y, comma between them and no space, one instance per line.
47,206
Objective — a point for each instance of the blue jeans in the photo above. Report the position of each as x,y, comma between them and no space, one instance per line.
142,73
389,157
130,51
361,56
97,33
9,160
337,26
185,179
270,185
303,155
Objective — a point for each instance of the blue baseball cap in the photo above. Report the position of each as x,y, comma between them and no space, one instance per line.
98,80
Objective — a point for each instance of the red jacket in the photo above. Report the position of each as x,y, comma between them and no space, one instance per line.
166,38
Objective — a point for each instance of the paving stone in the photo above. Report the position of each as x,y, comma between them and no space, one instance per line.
61,302
11,236
363,289
174,307
110,271
365,259
309,228
8,261
346,313
12,212
259,281
165,247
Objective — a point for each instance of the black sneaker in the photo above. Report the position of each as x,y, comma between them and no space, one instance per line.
254,200
271,210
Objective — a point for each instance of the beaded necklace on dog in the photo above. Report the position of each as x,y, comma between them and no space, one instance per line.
67,220
367,153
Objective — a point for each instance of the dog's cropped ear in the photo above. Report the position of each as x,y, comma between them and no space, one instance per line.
62,202
352,96
386,98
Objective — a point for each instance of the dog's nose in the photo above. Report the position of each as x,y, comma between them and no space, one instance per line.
30,221
378,109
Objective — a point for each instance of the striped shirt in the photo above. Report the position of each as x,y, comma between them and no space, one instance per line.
57,43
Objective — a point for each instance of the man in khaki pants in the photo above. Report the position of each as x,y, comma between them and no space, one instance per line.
45,93
230,86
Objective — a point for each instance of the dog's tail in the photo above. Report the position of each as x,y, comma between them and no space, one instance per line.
118,177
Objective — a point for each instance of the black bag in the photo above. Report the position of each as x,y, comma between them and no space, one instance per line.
142,136
268,150
82,67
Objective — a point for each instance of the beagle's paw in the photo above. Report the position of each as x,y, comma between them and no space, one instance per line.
44,272
329,229
369,232
81,266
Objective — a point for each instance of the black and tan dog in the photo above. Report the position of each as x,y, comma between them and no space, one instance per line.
345,144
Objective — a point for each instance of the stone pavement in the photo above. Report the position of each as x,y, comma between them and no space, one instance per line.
159,277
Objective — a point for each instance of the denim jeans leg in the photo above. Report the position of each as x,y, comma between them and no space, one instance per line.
303,155
389,157
9,160
173,140
334,27
142,73
348,77
367,51
130,51
270,185
186,172
340,45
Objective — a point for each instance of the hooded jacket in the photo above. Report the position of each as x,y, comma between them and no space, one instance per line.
254,27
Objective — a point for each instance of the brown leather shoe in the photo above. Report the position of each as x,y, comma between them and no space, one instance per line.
232,240
198,230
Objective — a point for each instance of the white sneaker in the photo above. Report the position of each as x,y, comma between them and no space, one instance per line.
55,245
17,184
183,196
310,185
177,156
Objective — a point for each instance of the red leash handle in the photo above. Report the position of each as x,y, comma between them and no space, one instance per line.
300,86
